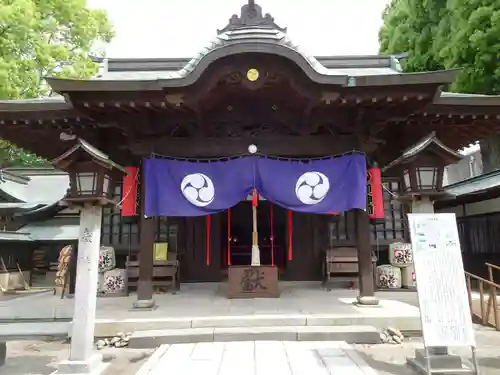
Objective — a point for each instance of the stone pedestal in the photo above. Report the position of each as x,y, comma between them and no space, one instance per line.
83,359
91,366
367,301
444,362
147,304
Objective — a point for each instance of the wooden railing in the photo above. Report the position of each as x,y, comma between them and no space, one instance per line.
487,311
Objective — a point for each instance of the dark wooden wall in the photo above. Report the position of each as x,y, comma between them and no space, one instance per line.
309,240
480,241
391,229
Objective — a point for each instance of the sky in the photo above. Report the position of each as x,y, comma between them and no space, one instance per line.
180,28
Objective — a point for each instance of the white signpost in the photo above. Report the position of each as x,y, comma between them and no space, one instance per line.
442,291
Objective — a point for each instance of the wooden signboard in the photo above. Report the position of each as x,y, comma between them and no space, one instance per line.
253,282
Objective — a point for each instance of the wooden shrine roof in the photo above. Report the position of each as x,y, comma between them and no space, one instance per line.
135,102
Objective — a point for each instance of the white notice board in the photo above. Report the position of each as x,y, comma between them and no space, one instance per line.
442,291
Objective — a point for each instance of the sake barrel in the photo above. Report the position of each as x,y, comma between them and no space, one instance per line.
115,282
400,254
107,259
408,277
388,277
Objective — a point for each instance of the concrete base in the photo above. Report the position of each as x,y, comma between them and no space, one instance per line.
440,364
93,366
367,301
144,305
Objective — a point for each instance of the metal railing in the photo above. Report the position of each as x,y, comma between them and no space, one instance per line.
488,309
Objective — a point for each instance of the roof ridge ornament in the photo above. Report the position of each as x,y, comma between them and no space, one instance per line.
251,16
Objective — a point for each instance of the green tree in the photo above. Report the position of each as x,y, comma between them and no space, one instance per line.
45,38
450,34
410,26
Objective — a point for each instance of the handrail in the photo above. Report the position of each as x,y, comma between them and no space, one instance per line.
492,305
493,266
479,278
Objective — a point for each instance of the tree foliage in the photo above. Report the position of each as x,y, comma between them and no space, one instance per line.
45,38
442,34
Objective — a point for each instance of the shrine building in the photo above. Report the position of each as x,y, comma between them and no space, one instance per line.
252,91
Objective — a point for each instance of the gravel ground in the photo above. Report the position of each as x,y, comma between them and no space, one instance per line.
41,358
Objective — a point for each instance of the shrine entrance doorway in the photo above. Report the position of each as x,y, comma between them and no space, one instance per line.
237,234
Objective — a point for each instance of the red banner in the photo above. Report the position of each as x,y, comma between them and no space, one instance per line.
375,204
129,192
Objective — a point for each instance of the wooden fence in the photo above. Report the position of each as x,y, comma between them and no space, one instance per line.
486,307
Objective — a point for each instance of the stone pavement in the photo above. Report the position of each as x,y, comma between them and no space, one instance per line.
206,306
257,358
195,300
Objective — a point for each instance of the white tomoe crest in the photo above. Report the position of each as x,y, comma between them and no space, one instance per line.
312,187
198,189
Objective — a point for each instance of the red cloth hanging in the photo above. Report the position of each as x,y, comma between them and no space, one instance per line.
255,198
375,202
129,192
228,236
290,234
271,218
209,229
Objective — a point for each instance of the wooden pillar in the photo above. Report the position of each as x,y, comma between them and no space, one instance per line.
366,277
146,260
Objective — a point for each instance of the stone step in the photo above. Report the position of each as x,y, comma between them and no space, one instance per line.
109,327
26,330
352,334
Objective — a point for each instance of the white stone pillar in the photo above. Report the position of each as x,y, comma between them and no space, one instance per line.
83,359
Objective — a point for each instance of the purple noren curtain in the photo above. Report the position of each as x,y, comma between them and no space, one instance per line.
183,188
323,186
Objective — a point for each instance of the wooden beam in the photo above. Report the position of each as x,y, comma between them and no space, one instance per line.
273,145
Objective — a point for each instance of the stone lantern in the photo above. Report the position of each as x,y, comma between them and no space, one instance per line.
421,170
91,175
